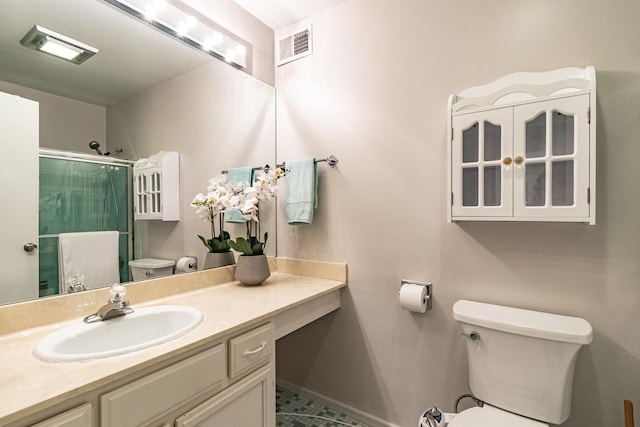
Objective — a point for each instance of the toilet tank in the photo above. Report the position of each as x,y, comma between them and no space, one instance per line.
522,360
150,268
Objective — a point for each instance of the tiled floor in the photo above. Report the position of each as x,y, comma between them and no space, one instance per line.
317,415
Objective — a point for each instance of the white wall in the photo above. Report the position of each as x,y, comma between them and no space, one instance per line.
65,123
217,118
374,93
229,15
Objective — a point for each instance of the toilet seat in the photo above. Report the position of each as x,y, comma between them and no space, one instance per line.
490,416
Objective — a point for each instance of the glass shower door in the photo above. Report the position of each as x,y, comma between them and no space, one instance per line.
80,196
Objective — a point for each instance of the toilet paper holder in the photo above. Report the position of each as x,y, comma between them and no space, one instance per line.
428,297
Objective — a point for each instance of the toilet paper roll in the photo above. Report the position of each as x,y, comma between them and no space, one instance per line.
413,297
186,264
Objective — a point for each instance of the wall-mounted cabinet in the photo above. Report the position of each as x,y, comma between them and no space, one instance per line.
523,149
156,187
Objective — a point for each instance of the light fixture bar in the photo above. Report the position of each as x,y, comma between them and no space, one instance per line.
185,24
44,40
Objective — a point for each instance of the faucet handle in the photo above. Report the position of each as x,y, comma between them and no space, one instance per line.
117,293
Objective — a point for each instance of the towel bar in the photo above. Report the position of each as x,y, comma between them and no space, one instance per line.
330,160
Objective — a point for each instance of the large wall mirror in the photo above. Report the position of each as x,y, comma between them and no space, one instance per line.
143,93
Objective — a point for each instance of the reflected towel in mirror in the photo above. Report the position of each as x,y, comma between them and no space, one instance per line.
234,176
92,254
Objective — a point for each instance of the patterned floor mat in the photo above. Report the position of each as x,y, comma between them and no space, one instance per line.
311,414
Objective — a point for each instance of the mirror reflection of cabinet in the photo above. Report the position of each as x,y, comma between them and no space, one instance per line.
529,159
156,187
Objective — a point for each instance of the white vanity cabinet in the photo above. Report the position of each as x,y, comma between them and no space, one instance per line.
222,373
523,149
150,399
76,417
223,388
250,402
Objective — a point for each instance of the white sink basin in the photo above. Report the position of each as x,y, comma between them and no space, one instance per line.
143,328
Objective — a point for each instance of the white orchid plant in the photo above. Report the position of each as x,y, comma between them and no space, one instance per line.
263,189
220,197
223,196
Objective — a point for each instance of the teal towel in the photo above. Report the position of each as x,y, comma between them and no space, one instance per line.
234,176
302,191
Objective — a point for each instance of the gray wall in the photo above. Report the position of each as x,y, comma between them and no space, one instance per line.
217,118
374,93
65,123
234,18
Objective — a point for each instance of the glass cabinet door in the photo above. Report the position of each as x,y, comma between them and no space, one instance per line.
481,164
551,157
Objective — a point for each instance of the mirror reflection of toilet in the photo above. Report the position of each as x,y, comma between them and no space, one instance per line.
150,268
521,364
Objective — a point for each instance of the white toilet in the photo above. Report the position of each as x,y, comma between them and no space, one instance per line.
150,268
521,364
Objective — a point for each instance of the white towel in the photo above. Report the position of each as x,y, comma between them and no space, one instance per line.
92,254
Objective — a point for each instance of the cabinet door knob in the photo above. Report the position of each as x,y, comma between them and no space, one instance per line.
519,160
507,160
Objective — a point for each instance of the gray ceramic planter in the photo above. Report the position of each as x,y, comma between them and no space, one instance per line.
252,270
218,259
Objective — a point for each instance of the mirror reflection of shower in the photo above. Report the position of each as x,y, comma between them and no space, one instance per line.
95,145
81,193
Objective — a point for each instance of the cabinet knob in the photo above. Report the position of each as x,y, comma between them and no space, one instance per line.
519,160
507,160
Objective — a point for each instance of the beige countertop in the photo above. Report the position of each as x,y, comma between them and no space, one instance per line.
30,385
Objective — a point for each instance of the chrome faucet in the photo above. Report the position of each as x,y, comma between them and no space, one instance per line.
116,306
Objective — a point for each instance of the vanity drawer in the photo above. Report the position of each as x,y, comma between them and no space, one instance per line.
250,350
77,417
155,395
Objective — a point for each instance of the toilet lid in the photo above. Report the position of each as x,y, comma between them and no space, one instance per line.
489,416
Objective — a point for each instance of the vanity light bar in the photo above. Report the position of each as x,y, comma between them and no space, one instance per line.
175,19
44,40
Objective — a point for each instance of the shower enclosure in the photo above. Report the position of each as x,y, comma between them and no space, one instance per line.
79,193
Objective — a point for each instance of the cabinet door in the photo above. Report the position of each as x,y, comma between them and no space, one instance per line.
481,168
250,402
551,149
148,399
148,194
77,417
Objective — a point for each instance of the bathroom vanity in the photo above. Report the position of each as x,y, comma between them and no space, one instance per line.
220,373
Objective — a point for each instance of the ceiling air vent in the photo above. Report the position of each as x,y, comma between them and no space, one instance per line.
294,46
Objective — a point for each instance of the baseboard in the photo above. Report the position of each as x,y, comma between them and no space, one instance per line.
367,418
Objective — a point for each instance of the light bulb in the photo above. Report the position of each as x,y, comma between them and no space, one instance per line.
182,28
230,56
217,37
159,5
207,43
150,11
191,21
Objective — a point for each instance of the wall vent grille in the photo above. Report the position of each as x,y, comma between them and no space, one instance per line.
294,46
